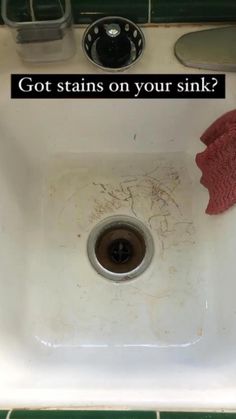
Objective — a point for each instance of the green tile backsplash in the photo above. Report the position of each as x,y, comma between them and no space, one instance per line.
196,415
142,11
78,414
93,414
193,10
86,11
20,11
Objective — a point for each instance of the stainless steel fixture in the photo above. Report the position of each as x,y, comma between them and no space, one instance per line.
212,49
120,248
113,43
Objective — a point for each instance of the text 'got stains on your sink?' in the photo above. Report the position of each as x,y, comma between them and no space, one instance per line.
118,86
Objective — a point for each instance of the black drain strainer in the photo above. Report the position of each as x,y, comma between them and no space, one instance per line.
113,43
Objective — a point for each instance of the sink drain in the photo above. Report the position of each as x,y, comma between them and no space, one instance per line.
113,43
120,251
120,248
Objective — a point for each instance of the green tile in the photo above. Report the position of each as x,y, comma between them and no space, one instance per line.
77,414
3,414
193,415
44,10
86,11
193,10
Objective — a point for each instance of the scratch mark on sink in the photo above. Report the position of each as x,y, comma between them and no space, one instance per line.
103,207
159,296
132,189
131,199
101,185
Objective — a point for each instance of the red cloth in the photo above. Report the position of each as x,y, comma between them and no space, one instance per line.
218,163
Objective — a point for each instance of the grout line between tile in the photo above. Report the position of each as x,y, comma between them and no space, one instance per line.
150,15
9,414
158,415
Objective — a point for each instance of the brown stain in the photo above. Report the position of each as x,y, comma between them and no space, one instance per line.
102,208
153,297
200,331
172,270
52,190
146,185
152,195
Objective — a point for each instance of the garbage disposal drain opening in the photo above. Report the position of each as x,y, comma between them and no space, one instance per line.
120,251
120,248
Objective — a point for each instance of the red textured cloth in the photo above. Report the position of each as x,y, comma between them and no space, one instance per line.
218,163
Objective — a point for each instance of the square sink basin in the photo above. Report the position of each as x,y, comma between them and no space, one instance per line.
69,336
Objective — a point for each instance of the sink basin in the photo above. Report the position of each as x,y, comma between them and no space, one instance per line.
69,336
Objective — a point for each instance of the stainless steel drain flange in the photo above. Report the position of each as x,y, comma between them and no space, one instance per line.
120,248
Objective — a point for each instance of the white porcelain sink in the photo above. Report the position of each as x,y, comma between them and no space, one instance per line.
69,337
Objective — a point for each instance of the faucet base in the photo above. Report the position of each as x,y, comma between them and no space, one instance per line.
212,49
